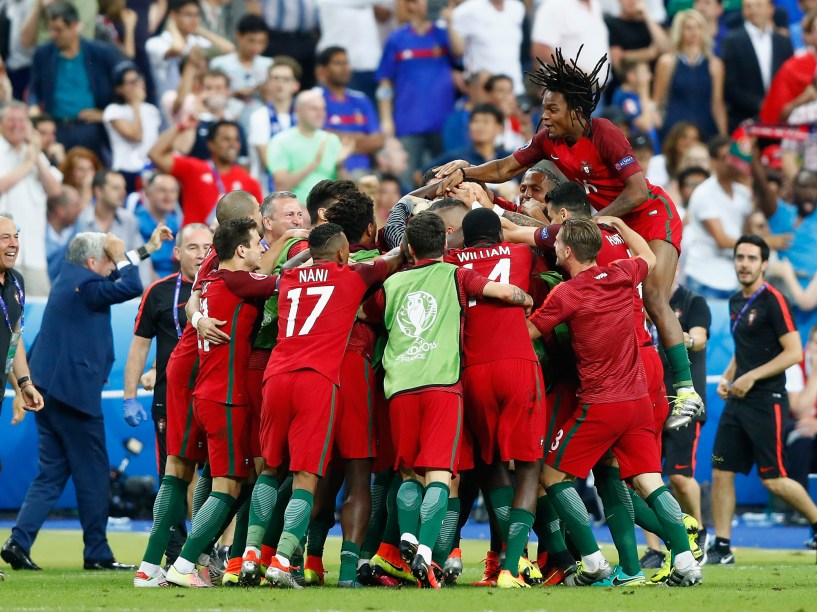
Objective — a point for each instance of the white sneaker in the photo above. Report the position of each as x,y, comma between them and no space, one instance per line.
191,580
685,578
142,580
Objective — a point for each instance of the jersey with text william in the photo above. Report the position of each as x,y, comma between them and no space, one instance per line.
494,330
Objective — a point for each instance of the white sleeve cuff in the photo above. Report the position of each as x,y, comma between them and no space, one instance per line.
123,264
194,320
133,257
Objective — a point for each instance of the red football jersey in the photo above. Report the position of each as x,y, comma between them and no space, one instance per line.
613,247
600,161
223,367
495,330
597,306
316,309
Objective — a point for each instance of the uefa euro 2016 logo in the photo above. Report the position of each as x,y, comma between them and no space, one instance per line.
416,316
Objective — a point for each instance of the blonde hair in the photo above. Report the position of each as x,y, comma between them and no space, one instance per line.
676,31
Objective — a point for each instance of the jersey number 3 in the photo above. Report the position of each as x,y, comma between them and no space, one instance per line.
294,296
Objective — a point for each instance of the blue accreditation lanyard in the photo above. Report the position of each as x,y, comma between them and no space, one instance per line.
746,306
22,298
176,306
217,178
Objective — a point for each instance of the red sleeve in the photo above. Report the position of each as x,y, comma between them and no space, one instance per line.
545,237
534,150
209,264
298,247
249,284
614,149
506,204
635,267
560,303
375,307
371,273
471,282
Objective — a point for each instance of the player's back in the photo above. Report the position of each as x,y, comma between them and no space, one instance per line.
603,335
316,309
494,330
222,367
613,248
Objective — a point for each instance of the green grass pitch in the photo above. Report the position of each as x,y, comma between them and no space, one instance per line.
768,580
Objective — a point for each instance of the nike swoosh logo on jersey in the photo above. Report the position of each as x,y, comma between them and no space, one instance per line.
763,470
681,467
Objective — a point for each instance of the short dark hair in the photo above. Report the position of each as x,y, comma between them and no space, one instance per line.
485,108
60,9
292,63
572,197
583,237
481,225
716,143
684,174
388,177
212,133
101,177
44,118
177,5
251,24
217,73
755,240
447,204
231,234
494,79
353,212
428,175
323,193
325,57
426,235
321,236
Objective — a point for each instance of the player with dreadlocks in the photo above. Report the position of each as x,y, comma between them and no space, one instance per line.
594,153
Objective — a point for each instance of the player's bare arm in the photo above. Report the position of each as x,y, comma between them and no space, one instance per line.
634,194
300,259
270,256
726,379
792,354
496,171
635,243
514,232
510,294
523,220
394,260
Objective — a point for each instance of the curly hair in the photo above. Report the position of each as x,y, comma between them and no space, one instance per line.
581,90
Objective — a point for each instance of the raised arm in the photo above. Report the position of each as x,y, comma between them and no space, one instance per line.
520,235
495,171
635,243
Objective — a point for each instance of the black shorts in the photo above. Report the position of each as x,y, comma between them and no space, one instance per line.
751,432
680,447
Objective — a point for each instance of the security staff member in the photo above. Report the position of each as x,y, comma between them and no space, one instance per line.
750,430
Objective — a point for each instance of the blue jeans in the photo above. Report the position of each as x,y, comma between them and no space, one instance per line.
706,292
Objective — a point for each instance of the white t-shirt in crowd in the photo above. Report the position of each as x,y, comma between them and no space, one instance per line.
351,25
259,134
492,38
242,77
569,24
128,155
657,172
705,262
25,201
166,71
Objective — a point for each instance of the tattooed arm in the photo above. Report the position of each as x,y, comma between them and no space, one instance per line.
510,294
523,220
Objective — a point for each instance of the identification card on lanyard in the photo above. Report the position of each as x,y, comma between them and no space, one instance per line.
746,306
15,336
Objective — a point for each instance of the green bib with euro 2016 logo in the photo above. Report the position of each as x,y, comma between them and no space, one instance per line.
423,316
267,336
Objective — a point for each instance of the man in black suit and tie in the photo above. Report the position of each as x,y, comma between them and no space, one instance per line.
752,54
70,360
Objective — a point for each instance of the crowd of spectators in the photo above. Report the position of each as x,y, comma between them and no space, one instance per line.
120,115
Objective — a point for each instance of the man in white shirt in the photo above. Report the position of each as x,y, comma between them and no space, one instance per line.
26,181
569,24
246,67
491,33
182,32
352,25
717,213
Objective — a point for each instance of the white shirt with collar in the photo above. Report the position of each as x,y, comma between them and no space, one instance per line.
762,43
26,202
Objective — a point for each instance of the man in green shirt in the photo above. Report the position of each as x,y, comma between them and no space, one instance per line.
301,156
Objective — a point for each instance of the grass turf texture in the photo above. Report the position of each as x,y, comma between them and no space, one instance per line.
764,580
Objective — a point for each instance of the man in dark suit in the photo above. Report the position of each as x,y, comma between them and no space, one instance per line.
72,79
71,360
752,54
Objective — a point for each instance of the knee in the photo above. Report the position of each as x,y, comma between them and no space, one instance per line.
773,485
680,482
721,478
